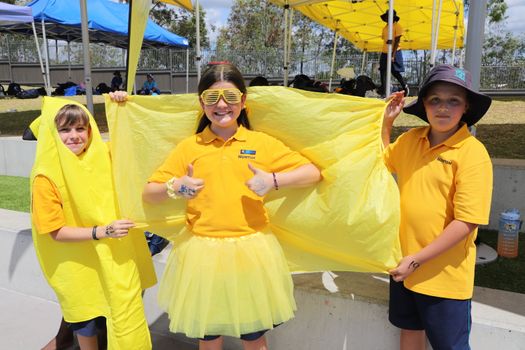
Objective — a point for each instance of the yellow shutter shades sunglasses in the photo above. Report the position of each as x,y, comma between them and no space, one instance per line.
212,96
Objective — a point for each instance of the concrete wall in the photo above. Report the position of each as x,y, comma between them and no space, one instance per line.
16,159
355,317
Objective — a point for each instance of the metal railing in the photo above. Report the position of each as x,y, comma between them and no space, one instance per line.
268,63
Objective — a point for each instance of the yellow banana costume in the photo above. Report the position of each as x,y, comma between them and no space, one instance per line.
91,278
348,222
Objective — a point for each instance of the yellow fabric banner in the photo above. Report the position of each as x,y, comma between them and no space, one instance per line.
91,278
348,222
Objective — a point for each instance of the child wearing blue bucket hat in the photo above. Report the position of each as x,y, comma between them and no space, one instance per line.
445,182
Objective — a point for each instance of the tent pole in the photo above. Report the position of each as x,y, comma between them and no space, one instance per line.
476,27
187,70
363,63
48,92
56,51
285,47
455,35
289,49
433,35
389,54
198,46
333,60
9,59
46,54
436,32
68,60
85,50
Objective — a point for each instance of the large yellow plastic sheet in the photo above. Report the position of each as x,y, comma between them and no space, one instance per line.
91,278
348,222
359,21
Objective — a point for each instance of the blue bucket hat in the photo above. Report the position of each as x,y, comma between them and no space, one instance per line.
478,103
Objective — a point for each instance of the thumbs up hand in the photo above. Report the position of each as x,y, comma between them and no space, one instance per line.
188,186
261,183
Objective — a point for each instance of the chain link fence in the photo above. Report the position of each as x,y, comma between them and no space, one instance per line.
268,63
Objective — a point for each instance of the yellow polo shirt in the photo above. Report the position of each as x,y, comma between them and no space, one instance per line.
47,214
452,180
226,207
397,31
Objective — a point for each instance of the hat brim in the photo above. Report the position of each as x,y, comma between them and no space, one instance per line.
384,17
478,104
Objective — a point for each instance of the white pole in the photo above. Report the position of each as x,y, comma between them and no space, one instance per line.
476,27
455,35
87,61
436,33
9,59
68,60
433,34
289,50
198,46
333,60
390,42
187,70
363,63
46,54
48,92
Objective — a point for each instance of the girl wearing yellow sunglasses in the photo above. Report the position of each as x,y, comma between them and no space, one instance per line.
228,275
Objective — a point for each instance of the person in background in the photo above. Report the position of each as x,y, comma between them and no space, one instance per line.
116,82
397,57
445,182
150,86
259,81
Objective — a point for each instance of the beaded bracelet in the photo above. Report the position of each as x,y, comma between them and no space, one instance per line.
275,184
94,233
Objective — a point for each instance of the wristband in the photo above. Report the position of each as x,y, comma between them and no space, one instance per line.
169,188
275,184
94,233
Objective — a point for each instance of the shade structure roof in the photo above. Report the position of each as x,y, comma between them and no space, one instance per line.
359,21
12,14
107,21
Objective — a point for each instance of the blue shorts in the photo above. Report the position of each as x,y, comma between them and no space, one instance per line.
447,322
88,328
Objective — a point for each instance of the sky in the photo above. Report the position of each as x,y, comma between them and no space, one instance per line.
217,12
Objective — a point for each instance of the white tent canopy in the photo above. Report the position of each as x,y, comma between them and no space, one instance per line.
12,14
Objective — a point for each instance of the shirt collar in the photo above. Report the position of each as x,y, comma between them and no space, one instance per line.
208,136
453,141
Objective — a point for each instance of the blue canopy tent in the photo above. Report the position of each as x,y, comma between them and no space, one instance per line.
107,23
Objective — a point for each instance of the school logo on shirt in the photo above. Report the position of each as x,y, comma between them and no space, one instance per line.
444,161
247,154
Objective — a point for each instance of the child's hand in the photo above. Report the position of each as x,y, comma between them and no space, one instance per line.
188,186
395,106
118,96
406,266
119,228
261,182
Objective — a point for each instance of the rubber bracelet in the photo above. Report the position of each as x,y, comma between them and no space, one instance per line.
275,184
94,233
169,188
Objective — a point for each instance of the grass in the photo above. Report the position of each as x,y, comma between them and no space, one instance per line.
505,274
15,193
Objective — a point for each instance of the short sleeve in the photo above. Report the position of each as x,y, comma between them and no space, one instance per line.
399,31
473,194
282,158
47,213
173,166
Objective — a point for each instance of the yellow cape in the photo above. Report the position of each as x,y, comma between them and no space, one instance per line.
91,278
348,222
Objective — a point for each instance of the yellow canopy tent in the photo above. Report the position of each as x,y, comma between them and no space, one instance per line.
359,21
139,11
428,24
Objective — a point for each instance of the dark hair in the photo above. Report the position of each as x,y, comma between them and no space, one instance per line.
71,114
222,72
259,81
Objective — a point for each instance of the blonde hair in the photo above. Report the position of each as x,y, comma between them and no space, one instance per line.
71,114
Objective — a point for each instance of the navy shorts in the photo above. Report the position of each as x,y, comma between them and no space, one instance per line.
447,322
88,328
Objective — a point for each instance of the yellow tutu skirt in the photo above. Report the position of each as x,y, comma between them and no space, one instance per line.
226,286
